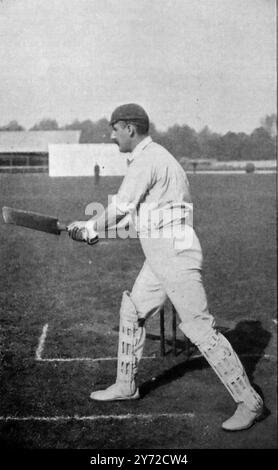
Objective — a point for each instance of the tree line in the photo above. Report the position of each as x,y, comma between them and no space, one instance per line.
181,140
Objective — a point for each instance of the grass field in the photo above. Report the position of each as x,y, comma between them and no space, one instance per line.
76,291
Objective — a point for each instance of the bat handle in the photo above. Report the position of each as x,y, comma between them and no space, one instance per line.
61,227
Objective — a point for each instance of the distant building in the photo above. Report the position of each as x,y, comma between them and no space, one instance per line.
19,149
197,163
241,164
81,160
206,164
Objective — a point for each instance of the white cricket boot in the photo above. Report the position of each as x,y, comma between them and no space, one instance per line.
243,418
115,392
131,342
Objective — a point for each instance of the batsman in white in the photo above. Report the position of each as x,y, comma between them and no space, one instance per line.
156,185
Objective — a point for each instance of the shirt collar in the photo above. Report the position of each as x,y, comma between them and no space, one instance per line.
138,149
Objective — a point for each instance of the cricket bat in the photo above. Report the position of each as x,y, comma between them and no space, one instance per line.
46,223
33,220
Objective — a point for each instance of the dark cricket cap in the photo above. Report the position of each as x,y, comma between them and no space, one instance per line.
129,112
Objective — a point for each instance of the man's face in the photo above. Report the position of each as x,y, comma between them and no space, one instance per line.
121,136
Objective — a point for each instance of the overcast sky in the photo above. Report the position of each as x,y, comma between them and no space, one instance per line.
194,62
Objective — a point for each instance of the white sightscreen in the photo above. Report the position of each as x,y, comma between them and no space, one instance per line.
80,160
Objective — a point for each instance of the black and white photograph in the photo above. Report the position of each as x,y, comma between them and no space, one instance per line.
138,306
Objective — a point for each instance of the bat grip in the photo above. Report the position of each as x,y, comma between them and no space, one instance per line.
61,227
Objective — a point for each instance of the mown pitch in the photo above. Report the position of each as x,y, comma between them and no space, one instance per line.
76,290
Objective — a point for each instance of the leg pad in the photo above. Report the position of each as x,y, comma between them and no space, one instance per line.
131,341
226,364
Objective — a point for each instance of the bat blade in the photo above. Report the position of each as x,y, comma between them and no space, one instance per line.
33,220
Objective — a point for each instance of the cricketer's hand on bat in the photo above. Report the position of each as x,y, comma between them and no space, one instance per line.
83,231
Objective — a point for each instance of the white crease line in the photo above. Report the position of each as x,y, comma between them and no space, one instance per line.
106,359
41,343
84,359
275,321
103,359
98,417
